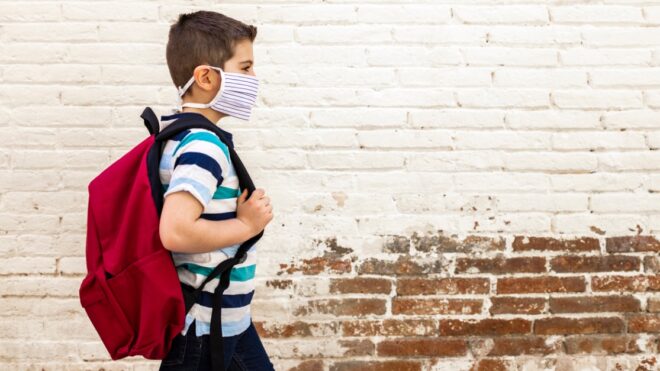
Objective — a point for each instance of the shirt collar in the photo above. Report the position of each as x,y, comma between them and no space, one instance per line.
168,119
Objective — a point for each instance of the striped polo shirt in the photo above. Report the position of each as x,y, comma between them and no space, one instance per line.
198,162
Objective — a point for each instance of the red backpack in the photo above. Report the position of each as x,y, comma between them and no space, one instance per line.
132,292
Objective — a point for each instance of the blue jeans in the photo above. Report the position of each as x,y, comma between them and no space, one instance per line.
243,352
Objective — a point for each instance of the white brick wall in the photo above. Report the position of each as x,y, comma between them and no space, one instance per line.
526,117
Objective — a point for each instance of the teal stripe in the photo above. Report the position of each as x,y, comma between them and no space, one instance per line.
205,136
221,192
225,192
237,273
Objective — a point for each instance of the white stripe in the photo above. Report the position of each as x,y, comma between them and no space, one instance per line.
229,314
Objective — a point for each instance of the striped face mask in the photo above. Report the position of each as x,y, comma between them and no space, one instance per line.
236,96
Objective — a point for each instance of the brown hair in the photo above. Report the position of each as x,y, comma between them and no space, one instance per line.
203,37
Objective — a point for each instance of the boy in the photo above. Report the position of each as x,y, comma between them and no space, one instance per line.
205,217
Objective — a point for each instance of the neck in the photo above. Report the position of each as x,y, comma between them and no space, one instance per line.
211,114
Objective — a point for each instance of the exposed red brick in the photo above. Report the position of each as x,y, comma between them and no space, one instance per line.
632,244
471,244
567,326
376,366
639,283
489,364
429,347
279,284
653,305
310,365
360,285
609,263
521,285
318,265
515,305
296,328
436,306
485,327
601,344
390,327
644,323
396,244
523,243
652,264
518,345
353,348
627,303
342,307
404,265
501,265
442,286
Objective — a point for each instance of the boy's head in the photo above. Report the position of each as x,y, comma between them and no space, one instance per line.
213,39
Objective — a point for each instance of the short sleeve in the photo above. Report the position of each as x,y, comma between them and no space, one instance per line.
200,161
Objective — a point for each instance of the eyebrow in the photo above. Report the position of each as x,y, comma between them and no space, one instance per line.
248,61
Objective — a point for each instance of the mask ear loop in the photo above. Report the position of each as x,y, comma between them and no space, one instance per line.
181,91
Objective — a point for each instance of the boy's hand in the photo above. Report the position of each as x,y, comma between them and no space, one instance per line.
255,212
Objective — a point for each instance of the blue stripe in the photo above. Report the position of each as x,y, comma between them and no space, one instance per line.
219,216
228,328
228,301
204,192
202,160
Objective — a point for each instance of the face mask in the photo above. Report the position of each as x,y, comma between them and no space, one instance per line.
236,96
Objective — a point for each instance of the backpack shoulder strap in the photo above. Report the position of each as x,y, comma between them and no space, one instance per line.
150,121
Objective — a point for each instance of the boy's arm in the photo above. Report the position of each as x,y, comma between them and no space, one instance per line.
200,162
182,229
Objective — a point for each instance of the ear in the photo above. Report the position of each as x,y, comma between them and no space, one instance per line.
205,78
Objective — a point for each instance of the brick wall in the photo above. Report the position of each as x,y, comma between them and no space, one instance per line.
457,185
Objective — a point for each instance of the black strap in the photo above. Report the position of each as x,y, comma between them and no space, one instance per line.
224,268
150,120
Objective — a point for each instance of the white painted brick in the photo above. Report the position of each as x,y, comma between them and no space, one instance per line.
538,202
625,78
456,161
404,139
540,77
396,13
500,139
596,14
624,202
445,77
589,99
358,118
15,11
638,160
501,56
654,140
605,57
525,14
587,224
597,182
550,161
27,265
307,13
457,118
343,34
620,36
631,119
552,119
416,56
355,160
443,34
503,98
596,140
72,266
534,36
108,10
69,31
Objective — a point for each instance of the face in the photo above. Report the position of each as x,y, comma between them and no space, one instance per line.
207,81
